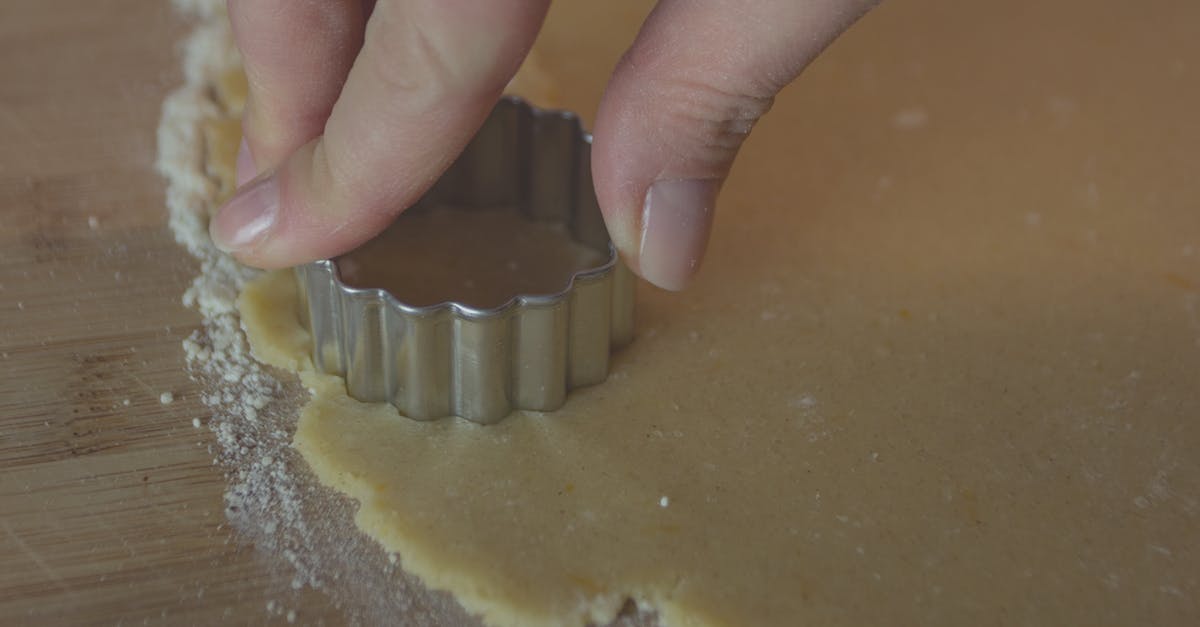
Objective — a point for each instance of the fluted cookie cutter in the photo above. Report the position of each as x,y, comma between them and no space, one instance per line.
482,363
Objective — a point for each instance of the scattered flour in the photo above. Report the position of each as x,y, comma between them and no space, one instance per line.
217,354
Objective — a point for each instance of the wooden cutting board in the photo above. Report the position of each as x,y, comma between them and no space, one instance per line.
110,506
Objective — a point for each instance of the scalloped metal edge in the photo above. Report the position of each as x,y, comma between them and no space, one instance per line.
482,363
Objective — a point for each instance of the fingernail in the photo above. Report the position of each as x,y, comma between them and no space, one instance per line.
245,164
245,220
676,219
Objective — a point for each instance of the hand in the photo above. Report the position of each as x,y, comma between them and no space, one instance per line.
356,107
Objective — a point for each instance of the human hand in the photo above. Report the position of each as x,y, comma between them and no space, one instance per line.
356,107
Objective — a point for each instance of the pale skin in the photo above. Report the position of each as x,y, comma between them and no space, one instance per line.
357,106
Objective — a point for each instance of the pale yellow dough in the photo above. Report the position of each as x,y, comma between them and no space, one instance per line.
942,365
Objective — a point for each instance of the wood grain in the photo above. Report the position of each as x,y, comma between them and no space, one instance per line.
109,512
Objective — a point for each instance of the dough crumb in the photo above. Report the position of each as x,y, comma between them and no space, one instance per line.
664,501
93,222
166,398
291,616
125,402
196,422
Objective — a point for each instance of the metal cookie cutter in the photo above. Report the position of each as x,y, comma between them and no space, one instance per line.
482,363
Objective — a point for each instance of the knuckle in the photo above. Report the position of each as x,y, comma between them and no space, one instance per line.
711,122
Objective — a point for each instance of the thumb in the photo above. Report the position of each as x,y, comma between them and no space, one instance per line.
679,106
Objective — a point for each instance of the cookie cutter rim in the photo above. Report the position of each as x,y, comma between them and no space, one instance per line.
482,363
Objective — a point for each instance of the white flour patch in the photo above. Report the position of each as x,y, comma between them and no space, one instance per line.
805,401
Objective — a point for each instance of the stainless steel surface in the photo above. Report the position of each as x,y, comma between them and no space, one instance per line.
482,363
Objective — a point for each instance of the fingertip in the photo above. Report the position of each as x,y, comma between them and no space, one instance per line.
679,107
677,218
247,219
295,213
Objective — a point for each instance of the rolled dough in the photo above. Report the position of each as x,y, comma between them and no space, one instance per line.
940,368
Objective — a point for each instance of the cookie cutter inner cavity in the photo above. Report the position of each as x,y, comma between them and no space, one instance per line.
481,363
